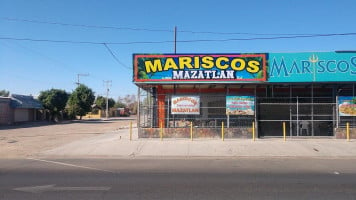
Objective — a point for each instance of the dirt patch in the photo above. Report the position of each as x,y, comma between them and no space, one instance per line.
31,138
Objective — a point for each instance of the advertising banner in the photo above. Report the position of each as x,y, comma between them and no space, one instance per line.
312,67
240,105
185,105
347,106
199,68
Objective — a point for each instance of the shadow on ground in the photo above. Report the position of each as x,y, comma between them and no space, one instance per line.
49,123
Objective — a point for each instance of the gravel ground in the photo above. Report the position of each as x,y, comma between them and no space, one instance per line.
28,139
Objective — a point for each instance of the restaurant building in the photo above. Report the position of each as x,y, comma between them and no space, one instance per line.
311,93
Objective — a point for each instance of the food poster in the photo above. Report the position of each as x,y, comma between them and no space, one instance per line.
347,106
240,105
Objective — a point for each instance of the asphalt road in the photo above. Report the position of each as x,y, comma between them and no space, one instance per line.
193,178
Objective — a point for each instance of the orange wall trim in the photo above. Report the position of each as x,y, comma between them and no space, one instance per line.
161,107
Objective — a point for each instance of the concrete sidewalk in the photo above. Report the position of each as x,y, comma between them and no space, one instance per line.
117,144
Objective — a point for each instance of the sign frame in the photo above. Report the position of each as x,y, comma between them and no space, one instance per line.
347,106
261,75
189,105
240,105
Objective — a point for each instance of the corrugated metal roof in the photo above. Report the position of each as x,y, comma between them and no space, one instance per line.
24,101
5,99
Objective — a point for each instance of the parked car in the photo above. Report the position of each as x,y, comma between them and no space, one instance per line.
123,112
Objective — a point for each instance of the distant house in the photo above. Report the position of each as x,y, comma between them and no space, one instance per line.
6,112
19,108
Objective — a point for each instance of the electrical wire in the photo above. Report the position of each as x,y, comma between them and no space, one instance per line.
38,53
85,26
269,38
82,42
240,33
47,40
55,61
115,58
181,41
150,30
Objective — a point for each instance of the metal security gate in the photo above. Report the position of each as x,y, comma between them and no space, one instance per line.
303,116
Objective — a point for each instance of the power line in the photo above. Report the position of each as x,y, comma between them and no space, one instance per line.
152,30
240,33
82,42
115,58
55,61
85,26
47,40
71,42
269,38
35,51
182,41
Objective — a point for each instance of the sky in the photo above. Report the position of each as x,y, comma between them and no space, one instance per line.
99,37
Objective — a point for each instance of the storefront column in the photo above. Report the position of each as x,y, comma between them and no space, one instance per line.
138,108
161,107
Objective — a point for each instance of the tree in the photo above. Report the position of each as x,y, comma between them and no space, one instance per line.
54,101
81,100
101,102
120,104
131,103
4,93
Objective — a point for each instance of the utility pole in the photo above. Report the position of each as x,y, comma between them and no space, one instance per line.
78,75
108,84
175,40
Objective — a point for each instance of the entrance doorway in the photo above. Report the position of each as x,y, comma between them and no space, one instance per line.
303,116
312,116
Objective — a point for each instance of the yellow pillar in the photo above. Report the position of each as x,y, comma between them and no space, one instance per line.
191,131
284,131
161,106
161,131
222,131
348,131
253,131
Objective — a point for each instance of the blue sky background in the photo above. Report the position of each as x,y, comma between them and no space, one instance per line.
28,67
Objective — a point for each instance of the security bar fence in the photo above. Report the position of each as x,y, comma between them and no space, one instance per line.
211,115
303,116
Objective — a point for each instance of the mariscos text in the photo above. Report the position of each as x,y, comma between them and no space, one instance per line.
202,67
